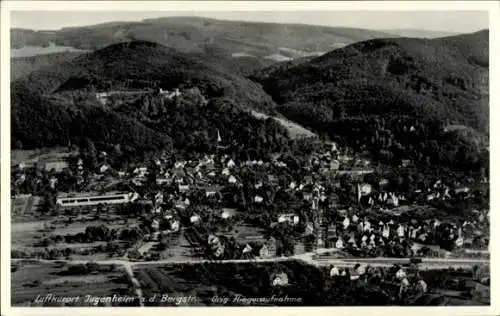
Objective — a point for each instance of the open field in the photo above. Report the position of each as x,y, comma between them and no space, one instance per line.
28,233
37,238
29,51
35,155
24,204
31,280
94,257
179,248
245,233
92,279
79,227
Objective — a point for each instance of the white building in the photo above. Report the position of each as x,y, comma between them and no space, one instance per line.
141,171
290,218
89,200
339,244
194,219
231,164
232,179
334,272
280,279
227,213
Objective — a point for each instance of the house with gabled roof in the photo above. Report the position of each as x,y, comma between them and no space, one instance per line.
288,218
183,187
227,213
211,190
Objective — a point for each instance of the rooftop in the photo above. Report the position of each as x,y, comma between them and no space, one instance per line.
89,194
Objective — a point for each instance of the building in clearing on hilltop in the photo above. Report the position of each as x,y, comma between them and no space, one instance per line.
102,97
169,94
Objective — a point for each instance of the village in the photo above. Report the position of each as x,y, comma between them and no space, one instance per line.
216,192
220,209
336,209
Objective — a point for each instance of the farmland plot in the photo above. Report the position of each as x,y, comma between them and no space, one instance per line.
28,233
33,280
205,281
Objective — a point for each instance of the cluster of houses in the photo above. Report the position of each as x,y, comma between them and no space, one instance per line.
437,192
408,281
441,191
366,234
20,176
212,173
212,176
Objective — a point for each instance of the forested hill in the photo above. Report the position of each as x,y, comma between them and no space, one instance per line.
444,80
39,122
200,35
243,46
57,105
138,64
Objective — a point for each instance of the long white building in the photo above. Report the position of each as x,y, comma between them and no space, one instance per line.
89,200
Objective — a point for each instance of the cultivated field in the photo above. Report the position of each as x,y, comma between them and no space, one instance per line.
247,279
22,205
178,248
35,237
30,280
245,233
26,234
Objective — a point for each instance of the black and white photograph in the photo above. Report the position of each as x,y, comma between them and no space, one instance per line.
236,158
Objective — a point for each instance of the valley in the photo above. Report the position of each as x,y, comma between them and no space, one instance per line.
194,157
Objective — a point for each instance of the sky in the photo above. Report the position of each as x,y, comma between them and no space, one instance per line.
445,21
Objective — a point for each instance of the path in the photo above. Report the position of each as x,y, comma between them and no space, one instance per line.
306,257
135,282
